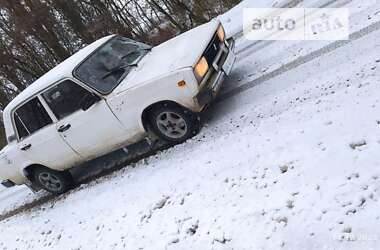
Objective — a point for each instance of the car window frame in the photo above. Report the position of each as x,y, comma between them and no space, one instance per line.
57,83
19,106
74,72
46,106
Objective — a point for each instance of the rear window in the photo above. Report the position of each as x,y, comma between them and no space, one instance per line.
31,117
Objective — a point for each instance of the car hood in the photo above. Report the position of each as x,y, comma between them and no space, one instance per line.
177,53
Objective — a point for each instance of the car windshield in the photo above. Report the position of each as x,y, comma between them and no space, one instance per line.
108,65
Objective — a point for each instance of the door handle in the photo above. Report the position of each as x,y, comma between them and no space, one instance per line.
63,128
26,147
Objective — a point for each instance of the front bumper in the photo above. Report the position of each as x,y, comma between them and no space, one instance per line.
219,70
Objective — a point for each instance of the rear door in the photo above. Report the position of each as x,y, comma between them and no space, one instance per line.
38,139
90,132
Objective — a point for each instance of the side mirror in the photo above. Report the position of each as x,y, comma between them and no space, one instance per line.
11,138
88,101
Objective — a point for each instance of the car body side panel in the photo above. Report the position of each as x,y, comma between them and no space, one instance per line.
128,106
12,165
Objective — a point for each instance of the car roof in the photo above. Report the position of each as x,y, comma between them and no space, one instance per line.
62,70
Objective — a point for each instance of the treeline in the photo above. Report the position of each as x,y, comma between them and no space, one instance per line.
35,35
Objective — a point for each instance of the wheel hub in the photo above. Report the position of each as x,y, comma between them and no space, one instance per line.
172,124
50,181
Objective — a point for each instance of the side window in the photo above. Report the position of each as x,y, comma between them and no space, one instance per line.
65,98
31,117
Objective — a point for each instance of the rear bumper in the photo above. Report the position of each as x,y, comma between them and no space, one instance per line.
219,70
8,183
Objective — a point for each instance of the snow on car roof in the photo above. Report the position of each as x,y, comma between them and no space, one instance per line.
62,70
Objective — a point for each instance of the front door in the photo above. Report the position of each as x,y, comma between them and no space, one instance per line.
91,132
38,140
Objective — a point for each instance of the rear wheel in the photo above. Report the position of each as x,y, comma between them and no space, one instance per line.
173,123
52,181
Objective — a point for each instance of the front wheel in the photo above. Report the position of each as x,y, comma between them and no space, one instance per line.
54,182
173,123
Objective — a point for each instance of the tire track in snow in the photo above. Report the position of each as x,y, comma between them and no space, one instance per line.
300,61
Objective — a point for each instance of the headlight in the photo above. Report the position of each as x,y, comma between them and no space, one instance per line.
221,33
201,68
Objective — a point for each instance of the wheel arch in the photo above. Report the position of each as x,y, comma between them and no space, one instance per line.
145,113
28,171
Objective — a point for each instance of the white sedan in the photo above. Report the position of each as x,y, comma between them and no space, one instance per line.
111,94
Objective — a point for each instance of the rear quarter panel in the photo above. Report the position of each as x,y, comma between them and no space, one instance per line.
11,165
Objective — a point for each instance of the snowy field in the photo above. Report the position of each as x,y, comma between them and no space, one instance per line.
287,159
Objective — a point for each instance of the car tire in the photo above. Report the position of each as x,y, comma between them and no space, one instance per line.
173,123
54,182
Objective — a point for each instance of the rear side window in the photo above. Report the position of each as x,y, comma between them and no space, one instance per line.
30,118
65,98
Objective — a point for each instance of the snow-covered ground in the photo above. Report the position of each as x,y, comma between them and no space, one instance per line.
290,163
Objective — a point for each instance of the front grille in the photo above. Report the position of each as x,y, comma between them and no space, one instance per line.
212,50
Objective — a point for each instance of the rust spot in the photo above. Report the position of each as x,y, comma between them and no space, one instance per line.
181,83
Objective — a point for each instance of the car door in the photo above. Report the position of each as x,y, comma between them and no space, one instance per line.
91,132
38,139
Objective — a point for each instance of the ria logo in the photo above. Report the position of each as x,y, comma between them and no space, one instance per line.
327,23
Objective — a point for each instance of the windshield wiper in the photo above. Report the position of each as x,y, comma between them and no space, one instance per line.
117,69
137,50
